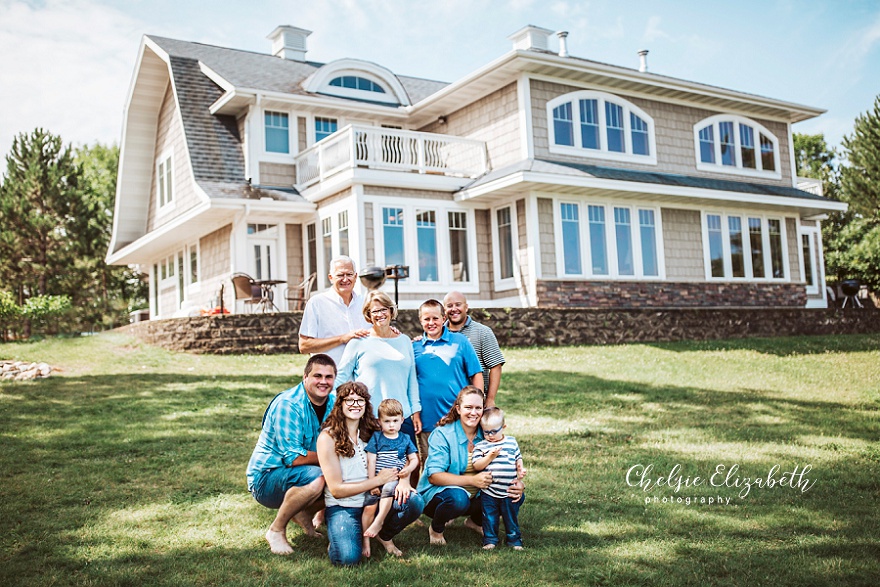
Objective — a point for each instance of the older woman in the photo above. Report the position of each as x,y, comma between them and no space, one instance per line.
344,464
384,362
449,485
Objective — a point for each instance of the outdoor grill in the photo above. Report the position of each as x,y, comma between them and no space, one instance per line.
850,290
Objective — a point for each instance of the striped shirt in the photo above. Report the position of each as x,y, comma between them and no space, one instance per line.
391,453
486,346
502,467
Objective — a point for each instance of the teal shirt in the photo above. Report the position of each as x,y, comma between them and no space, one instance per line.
447,453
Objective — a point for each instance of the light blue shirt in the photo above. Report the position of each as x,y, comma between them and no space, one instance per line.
386,366
447,453
290,430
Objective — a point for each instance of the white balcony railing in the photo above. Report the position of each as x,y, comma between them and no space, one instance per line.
391,149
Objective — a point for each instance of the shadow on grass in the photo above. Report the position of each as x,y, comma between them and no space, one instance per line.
139,479
781,346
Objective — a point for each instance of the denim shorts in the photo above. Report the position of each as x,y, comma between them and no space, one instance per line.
271,486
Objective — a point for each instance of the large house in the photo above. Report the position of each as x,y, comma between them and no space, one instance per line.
541,179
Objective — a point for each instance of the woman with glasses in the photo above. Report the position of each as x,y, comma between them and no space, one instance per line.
449,485
384,361
344,464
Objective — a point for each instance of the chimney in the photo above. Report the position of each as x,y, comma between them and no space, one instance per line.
289,42
530,37
563,43
643,60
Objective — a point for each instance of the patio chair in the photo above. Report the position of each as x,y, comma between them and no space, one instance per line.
246,290
297,295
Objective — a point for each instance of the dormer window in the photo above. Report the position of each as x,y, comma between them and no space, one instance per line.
733,144
596,124
357,83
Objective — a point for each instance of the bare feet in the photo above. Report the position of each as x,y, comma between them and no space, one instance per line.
318,519
470,524
390,548
450,522
488,547
308,526
373,530
278,542
517,547
436,537
365,551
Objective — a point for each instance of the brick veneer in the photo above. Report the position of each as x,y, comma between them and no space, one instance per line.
661,294
277,333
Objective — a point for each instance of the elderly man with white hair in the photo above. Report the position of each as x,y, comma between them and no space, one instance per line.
334,317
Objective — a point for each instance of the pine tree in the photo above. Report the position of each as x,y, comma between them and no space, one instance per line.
860,179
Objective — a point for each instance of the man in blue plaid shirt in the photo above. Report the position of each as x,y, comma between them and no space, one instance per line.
283,472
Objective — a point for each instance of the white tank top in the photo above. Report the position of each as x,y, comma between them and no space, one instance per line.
354,469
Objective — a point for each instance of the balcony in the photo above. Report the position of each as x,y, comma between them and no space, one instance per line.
387,149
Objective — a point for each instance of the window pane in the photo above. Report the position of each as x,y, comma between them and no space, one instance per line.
707,144
808,260
623,231
756,242
639,135
343,233
571,238
598,251
277,135
614,124
725,135
458,246
327,233
563,132
737,259
426,234
776,264
193,265
747,146
716,246
392,230
180,288
312,245
768,162
324,127
505,243
589,124
648,234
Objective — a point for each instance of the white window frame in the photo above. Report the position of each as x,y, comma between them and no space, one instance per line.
292,137
610,240
313,131
737,169
410,243
508,282
192,287
165,181
602,152
388,97
747,246
814,234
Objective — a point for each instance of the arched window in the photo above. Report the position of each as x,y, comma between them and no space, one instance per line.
597,124
357,83
734,144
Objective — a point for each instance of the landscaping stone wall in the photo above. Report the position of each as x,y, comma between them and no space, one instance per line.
516,327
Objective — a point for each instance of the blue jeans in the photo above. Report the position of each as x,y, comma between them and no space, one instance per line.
346,533
451,503
506,509
272,485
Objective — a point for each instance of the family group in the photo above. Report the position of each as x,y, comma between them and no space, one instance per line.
384,428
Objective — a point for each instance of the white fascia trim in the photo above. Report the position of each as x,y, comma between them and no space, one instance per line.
312,102
216,78
319,79
524,96
644,188
392,179
533,235
165,229
273,207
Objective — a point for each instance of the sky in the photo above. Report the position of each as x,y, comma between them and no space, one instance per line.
67,65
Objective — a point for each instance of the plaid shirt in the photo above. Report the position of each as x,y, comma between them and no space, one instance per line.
290,430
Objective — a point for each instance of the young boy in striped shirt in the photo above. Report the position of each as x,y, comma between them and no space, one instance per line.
500,455
387,449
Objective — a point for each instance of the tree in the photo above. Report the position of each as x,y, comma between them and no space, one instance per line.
860,178
56,209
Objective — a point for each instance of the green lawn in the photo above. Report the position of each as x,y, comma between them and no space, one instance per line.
127,468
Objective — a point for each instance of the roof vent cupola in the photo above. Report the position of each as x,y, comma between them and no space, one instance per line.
530,37
643,60
289,42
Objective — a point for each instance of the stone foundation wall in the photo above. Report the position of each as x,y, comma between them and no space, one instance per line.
663,294
514,327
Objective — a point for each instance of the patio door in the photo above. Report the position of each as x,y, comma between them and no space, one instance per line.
262,259
810,251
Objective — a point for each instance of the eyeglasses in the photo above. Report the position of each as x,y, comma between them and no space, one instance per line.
355,401
493,432
348,275
379,312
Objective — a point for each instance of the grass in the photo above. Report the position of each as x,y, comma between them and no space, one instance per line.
127,468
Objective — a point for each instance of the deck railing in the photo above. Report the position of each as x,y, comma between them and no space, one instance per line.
392,149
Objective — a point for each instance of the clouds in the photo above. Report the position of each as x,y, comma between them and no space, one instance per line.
65,67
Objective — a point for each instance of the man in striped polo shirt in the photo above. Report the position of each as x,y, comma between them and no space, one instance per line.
482,338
